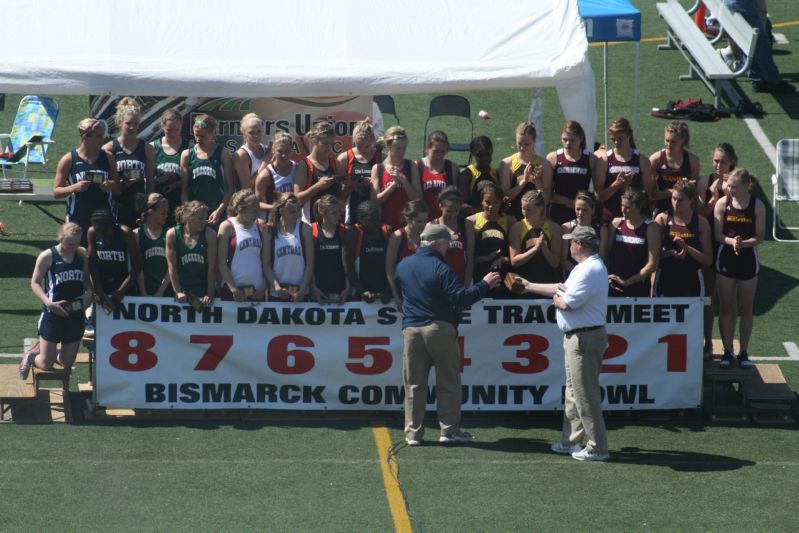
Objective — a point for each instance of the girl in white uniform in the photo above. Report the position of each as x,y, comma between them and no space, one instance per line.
239,250
288,251
252,153
277,176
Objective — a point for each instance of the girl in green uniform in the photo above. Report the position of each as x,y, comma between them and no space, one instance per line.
167,161
206,170
190,250
153,279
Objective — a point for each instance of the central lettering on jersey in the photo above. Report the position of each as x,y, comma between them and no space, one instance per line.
572,170
738,218
493,234
617,169
68,275
249,242
288,250
205,171
434,184
155,251
192,258
285,187
630,239
112,255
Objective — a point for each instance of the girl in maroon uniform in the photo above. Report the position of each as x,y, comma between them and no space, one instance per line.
624,168
739,226
686,245
633,247
404,241
574,168
525,170
584,215
671,164
396,180
436,173
460,256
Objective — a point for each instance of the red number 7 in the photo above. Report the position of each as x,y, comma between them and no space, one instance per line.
218,347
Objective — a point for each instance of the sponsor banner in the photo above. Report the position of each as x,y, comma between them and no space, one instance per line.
157,354
290,115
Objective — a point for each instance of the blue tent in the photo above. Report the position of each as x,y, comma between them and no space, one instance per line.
610,21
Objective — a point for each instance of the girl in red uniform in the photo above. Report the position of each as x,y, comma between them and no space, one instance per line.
460,256
435,172
739,226
525,170
573,168
670,165
404,241
395,181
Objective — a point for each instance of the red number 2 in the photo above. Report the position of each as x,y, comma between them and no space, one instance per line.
617,346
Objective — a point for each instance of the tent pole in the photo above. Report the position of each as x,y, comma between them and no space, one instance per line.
635,86
605,71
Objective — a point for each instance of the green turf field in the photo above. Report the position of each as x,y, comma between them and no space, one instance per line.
306,471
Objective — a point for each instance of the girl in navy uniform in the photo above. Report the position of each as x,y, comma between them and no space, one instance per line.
288,251
357,163
436,173
574,168
476,175
239,250
395,181
671,164
404,240
632,251
60,281
685,245
114,260
206,171
277,175
491,234
460,255
739,227
369,245
525,170
315,174
135,161
86,176
624,167
330,281
249,158
167,161
535,242
584,215
153,279
191,255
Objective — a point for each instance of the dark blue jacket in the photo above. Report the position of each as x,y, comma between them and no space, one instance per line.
431,290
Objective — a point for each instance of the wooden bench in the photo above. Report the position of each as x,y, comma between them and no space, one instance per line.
13,389
768,395
705,62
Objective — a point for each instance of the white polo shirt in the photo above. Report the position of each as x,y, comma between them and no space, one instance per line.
586,295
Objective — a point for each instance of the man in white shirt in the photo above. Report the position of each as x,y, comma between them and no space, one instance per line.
581,304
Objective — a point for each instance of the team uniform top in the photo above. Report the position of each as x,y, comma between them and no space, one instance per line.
206,178
370,260
64,281
391,210
244,255
517,169
360,193
113,260
476,182
573,224
255,160
738,222
153,253
629,253
288,257
280,184
680,277
192,263
406,247
167,172
130,165
491,235
314,175
615,167
81,205
568,178
537,269
328,262
433,183
667,177
456,253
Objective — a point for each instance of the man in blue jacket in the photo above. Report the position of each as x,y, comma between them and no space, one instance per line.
432,296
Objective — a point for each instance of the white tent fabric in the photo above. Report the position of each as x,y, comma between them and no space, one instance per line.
250,48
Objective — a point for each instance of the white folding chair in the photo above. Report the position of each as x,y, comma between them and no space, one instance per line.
785,184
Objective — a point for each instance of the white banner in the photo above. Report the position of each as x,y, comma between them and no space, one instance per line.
156,354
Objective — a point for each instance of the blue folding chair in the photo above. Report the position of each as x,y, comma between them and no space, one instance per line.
30,135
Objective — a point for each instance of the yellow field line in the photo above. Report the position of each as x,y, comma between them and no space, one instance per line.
402,522
659,39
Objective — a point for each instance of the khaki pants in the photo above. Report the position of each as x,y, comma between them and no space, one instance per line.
434,344
582,417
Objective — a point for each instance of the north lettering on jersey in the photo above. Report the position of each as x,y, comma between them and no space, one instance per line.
68,275
112,255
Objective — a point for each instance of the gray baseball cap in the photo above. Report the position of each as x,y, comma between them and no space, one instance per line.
582,234
434,232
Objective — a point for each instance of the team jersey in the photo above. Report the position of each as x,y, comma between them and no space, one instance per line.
456,253
573,224
537,269
667,177
81,205
113,261
244,255
568,177
63,281
192,263
206,178
167,173
360,193
680,277
433,183
391,210
629,253
153,253
491,235
288,257
370,260
615,167
476,182
282,183
255,159
314,175
328,260
742,223
406,247
516,170
130,166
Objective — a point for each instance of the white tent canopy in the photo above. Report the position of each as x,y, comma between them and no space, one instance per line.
250,48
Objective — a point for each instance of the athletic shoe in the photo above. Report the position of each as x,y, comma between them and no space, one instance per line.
559,447
589,455
26,363
743,360
707,351
460,437
413,442
89,331
726,360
